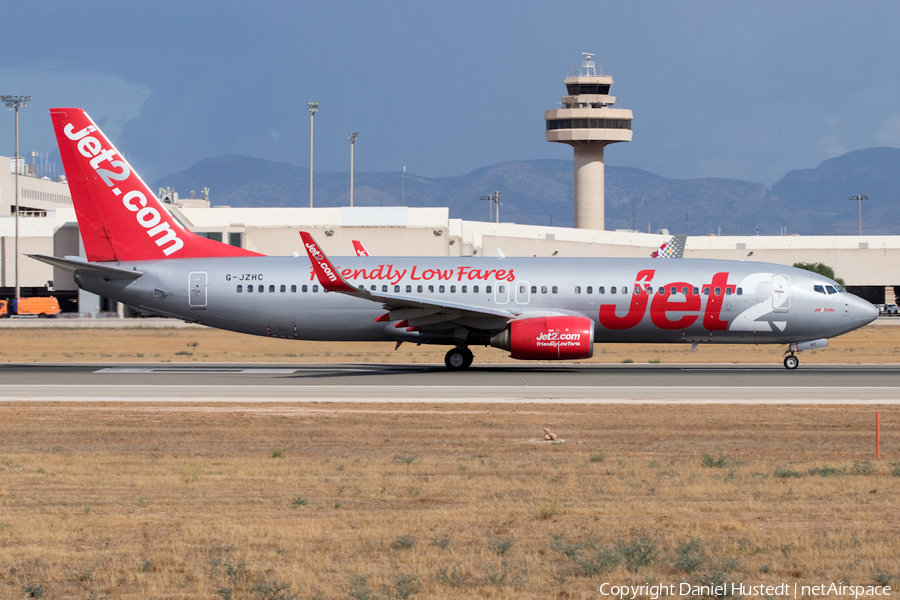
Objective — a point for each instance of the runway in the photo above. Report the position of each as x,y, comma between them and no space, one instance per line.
561,383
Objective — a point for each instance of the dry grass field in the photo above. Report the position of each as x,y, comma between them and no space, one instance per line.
302,501
873,344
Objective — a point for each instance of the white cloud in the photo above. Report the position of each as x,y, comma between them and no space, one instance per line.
110,100
831,146
889,132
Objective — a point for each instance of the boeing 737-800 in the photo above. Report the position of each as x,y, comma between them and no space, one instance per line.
536,308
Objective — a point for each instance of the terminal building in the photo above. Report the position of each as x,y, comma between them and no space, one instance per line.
587,121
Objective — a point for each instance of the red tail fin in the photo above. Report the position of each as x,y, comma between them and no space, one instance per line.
118,216
360,249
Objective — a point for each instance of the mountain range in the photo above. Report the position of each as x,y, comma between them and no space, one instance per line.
540,192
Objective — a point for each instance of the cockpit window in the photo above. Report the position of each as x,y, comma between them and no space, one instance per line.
840,288
819,289
830,289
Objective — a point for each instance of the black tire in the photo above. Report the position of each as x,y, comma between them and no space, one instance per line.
458,359
791,362
469,357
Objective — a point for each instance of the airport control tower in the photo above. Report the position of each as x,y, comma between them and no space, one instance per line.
587,123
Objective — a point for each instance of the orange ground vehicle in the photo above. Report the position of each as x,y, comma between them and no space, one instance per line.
42,307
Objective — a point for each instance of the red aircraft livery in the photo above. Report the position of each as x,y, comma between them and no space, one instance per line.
536,308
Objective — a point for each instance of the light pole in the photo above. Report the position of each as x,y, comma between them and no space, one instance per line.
858,198
353,136
14,103
497,202
313,107
490,201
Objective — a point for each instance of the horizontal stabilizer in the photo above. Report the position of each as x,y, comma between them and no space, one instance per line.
81,267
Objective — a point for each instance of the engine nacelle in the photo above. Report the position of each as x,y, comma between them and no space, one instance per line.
561,337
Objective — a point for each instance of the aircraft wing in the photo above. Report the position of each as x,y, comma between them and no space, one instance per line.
416,311
78,266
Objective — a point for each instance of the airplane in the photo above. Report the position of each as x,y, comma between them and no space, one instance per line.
360,249
137,253
674,248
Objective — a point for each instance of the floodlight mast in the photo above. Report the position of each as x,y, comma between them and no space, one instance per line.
313,107
490,200
353,136
858,198
14,103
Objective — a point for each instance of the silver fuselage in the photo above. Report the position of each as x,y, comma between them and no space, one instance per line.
726,301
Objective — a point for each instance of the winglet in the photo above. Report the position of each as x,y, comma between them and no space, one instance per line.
327,274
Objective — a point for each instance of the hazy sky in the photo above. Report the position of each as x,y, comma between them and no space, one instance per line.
746,90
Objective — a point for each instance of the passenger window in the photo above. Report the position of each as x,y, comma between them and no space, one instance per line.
718,291
315,288
706,291
612,290
684,291
577,289
543,289
696,291
740,292
728,291
501,289
487,289
271,289
590,290
431,289
452,289
637,290
601,290
555,289
408,289
522,289
396,288
362,288
303,289
673,291
463,289
240,288
831,290
283,288
293,289
625,290
534,289
383,288
419,289
474,289
249,289
441,289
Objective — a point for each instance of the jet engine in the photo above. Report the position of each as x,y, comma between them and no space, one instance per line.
558,337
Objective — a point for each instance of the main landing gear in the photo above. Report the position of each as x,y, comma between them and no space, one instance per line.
791,362
459,358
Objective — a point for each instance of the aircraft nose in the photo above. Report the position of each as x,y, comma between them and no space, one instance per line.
863,312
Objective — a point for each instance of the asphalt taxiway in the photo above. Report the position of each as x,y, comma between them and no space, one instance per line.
558,383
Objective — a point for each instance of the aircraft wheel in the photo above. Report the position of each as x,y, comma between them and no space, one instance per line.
791,362
469,357
458,359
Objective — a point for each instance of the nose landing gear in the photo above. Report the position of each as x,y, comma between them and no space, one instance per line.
459,358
